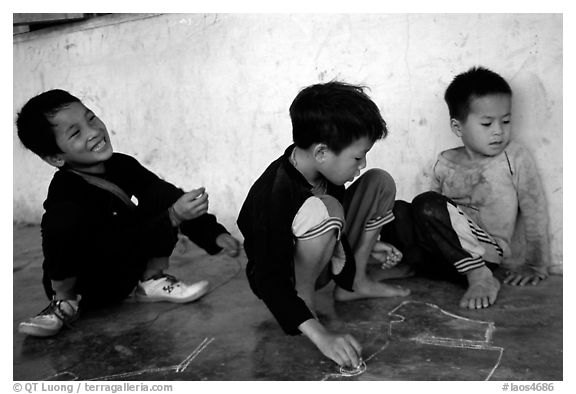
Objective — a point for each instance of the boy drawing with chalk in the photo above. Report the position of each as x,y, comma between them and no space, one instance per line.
303,228
464,226
98,245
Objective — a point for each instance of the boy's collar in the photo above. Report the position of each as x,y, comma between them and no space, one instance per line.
292,171
66,167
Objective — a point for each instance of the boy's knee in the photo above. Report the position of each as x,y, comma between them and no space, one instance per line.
333,206
380,178
317,216
428,204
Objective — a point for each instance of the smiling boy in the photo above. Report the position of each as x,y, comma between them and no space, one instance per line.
97,244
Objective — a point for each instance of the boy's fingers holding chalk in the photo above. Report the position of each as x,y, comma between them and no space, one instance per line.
338,359
352,350
191,204
354,343
194,194
198,192
352,359
200,202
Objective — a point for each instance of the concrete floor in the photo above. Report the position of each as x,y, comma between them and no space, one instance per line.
230,335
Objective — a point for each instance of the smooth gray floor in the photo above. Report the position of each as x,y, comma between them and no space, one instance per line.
230,335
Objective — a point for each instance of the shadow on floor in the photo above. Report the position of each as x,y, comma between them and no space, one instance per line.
230,335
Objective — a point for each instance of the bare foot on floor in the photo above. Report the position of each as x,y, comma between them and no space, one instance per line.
370,289
482,290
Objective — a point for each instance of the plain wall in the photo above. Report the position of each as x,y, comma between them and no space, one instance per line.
203,99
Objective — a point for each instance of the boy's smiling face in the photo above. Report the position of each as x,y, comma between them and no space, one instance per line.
82,137
345,166
486,131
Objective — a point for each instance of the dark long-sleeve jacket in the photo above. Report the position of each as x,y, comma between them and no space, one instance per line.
265,221
89,233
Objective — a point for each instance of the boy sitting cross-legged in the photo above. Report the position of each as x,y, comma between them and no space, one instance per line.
464,225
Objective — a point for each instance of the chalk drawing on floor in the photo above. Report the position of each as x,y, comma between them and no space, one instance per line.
429,327
344,372
178,368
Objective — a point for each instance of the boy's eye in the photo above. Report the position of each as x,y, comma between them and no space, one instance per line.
74,133
486,124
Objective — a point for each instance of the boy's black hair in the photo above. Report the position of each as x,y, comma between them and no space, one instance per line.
336,114
474,83
33,123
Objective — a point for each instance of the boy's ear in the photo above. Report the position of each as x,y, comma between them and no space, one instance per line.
54,160
319,152
456,127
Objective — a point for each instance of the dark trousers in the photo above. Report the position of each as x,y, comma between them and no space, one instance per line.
423,232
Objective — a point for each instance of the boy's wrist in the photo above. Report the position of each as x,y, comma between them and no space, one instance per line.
313,330
173,217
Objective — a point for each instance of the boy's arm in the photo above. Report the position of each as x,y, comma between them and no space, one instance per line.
272,277
204,232
155,192
269,246
533,208
62,241
435,182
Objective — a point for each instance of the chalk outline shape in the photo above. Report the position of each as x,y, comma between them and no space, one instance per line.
427,340
179,368
436,341
354,371
451,342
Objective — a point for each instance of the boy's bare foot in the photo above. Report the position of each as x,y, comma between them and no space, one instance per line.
482,290
369,289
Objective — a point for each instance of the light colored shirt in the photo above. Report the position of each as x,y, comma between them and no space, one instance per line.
493,191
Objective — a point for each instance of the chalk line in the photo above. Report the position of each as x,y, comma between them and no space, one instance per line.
364,368
452,342
179,368
175,368
437,341
184,364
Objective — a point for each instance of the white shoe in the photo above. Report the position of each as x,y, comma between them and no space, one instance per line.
50,321
167,288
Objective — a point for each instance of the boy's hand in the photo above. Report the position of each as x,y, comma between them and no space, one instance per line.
523,276
190,206
386,254
230,244
340,348
343,349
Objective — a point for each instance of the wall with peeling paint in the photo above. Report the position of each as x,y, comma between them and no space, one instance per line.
203,99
